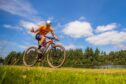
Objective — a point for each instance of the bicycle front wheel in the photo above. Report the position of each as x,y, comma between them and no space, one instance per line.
30,56
56,56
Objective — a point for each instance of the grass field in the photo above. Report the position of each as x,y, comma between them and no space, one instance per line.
45,75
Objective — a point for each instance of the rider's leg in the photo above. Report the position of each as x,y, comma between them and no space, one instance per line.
41,41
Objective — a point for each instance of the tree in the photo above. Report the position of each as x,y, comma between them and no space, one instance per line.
88,52
1,60
77,58
97,52
9,59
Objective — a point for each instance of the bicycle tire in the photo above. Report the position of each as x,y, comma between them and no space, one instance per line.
25,54
64,57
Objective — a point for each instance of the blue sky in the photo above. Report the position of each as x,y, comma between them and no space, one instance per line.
78,23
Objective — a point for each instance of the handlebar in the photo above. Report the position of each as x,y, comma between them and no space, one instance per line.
52,38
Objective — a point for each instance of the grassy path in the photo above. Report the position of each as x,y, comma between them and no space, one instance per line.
45,75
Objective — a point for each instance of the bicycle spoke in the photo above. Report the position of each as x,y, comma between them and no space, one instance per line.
30,56
56,56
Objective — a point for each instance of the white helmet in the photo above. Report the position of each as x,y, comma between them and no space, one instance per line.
48,22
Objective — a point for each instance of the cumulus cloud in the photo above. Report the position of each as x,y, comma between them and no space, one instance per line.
111,37
27,25
105,34
67,47
21,8
24,47
77,29
107,27
22,26
71,46
82,18
7,46
17,27
121,46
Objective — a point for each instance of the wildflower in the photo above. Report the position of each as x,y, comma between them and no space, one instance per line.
24,76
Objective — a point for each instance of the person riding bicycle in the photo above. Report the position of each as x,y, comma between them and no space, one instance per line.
42,31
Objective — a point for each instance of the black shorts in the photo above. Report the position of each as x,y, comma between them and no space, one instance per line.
38,36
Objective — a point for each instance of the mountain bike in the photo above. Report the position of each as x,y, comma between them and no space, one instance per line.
54,53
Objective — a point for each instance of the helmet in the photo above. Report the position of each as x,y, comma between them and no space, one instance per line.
48,22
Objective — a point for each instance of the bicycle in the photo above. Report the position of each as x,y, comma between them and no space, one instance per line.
55,54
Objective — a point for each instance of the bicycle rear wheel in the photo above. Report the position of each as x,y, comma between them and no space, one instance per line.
56,56
30,56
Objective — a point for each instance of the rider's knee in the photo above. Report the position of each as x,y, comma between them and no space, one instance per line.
42,38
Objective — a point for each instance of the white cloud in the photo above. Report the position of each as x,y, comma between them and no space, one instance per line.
111,37
7,46
7,26
21,8
121,46
77,29
71,46
67,47
12,26
24,47
107,27
25,26
51,18
28,25
82,18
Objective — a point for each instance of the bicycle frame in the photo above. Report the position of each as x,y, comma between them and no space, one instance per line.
50,42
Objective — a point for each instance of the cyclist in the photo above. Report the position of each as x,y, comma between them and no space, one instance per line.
42,31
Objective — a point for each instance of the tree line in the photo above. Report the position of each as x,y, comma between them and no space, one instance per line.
1,60
77,58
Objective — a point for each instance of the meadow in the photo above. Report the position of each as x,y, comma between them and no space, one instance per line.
46,75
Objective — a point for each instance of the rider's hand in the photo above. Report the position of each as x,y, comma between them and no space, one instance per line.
32,29
57,38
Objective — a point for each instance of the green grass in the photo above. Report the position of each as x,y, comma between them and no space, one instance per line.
45,75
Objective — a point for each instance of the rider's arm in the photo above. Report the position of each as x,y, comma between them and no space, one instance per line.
53,34
35,31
